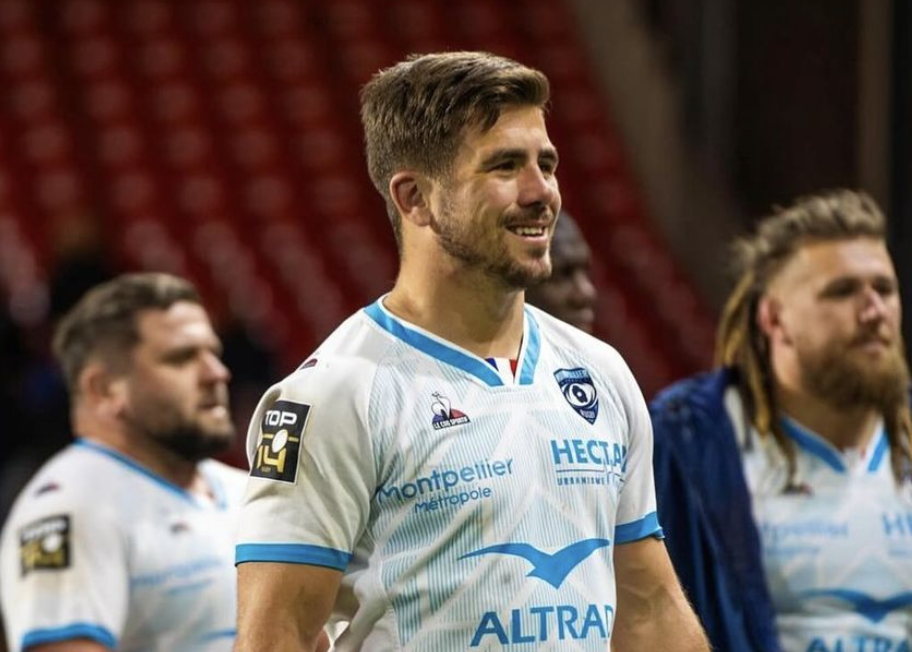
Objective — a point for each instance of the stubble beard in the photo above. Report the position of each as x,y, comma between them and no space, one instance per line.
466,244
189,440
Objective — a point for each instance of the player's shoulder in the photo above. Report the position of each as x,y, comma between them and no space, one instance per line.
73,481
346,360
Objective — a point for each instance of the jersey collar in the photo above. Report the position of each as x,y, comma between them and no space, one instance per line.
818,447
456,356
136,467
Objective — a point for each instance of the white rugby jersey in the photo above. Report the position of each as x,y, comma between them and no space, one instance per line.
96,546
837,547
465,512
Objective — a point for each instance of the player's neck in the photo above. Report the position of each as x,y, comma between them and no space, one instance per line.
148,454
462,309
843,426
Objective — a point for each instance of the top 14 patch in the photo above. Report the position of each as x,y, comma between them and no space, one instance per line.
278,449
579,390
45,544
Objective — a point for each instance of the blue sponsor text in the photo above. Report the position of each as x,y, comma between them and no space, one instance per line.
545,623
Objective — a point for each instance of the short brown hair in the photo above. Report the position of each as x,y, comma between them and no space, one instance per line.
414,113
103,322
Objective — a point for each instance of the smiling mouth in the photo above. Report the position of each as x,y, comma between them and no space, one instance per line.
528,231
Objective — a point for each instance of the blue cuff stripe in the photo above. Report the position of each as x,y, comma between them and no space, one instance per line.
292,553
69,632
648,526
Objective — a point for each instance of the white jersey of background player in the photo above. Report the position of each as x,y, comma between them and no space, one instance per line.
837,546
122,540
98,547
400,480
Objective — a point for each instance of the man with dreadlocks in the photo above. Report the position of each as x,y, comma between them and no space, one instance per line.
783,478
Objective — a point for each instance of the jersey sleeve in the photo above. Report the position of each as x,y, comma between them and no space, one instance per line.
312,471
637,517
63,572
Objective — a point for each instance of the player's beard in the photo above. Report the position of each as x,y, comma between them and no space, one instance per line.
842,378
190,439
482,246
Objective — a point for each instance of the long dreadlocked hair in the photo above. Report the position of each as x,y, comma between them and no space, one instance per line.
832,215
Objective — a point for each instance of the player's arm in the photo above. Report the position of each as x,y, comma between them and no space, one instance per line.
652,611
283,607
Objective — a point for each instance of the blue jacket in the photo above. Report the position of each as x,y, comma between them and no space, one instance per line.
705,510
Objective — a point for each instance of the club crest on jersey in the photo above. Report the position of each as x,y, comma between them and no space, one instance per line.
579,390
45,544
445,416
277,451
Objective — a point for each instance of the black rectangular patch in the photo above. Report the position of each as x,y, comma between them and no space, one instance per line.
279,447
45,544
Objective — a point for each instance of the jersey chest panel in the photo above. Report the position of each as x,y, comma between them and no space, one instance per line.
838,558
495,512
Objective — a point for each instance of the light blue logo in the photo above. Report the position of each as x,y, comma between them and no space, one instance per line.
552,568
579,391
871,608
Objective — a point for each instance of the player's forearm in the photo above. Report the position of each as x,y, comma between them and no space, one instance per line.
662,621
283,608
269,638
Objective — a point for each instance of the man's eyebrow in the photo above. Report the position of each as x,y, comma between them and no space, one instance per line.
548,154
504,154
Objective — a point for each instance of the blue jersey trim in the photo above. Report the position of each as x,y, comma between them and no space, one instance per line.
138,468
67,633
533,349
813,445
292,553
135,466
214,635
880,451
648,526
474,366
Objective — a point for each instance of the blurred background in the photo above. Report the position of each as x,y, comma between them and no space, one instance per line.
219,139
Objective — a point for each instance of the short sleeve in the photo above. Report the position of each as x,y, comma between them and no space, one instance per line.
63,572
312,470
637,517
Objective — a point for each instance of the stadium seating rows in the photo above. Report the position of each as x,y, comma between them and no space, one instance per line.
220,139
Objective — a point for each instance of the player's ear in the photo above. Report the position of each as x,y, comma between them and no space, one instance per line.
410,192
101,389
769,317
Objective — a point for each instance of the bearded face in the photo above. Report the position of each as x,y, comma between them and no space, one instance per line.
178,386
495,211
833,320
841,375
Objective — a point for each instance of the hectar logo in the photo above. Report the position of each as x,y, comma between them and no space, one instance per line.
540,623
589,462
448,488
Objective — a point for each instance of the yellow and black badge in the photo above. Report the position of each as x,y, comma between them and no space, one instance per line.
280,441
45,544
